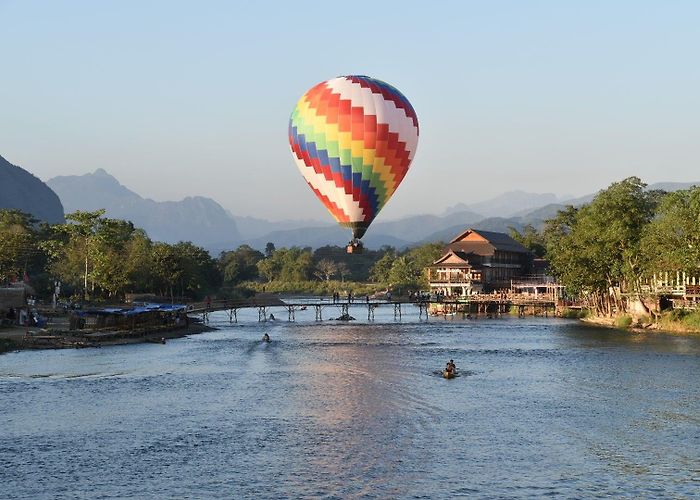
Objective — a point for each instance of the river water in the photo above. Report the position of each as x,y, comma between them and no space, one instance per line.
336,410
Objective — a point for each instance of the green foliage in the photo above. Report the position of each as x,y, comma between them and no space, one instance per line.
19,248
353,267
105,258
381,269
407,269
623,321
309,287
679,319
531,239
692,321
240,265
596,248
671,242
287,264
573,313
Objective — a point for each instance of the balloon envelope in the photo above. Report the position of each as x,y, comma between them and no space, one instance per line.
353,139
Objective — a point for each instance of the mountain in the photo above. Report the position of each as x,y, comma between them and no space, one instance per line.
397,233
324,235
21,190
198,219
506,204
252,227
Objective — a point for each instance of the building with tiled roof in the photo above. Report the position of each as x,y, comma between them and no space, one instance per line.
479,261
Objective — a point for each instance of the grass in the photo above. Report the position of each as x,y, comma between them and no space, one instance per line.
317,287
574,313
681,319
623,321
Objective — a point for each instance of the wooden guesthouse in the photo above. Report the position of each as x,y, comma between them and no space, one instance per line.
479,261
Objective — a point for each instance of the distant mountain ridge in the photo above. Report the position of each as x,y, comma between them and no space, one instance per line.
23,191
197,219
204,222
506,204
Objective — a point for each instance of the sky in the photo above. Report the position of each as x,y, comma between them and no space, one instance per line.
193,98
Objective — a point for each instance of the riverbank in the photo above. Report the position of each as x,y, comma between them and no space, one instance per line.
14,339
666,325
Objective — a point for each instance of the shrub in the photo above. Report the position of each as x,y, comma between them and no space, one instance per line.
623,321
570,313
692,320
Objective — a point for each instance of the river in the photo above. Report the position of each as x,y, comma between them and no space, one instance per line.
336,410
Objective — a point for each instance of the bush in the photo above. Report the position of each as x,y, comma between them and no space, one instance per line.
692,320
623,322
574,313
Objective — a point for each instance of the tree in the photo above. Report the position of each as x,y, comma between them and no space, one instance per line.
167,269
269,249
343,270
380,271
403,273
595,250
269,268
240,265
18,243
531,239
79,250
326,269
671,242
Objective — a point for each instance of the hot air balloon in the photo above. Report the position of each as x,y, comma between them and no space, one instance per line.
353,139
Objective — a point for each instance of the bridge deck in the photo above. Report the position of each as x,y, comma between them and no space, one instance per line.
227,305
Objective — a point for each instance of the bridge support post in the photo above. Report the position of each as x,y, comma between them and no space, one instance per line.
205,317
233,315
262,313
370,312
397,311
423,309
318,313
290,313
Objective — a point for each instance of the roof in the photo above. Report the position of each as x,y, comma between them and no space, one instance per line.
455,259
486,244
133,311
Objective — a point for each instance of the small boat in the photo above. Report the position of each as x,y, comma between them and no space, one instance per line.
448,374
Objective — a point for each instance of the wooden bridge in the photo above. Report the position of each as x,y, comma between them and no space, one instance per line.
479,304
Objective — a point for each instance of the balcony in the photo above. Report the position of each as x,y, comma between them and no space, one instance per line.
457,280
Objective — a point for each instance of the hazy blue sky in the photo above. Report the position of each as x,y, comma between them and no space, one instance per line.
185,98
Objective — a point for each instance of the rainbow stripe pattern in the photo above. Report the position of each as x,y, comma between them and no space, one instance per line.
353,139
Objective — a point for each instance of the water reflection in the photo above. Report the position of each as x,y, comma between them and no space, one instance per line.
342,410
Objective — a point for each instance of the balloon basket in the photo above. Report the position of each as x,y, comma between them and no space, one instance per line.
355,246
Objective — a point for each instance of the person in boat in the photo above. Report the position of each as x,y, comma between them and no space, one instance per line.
452,365
266,338
449,369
